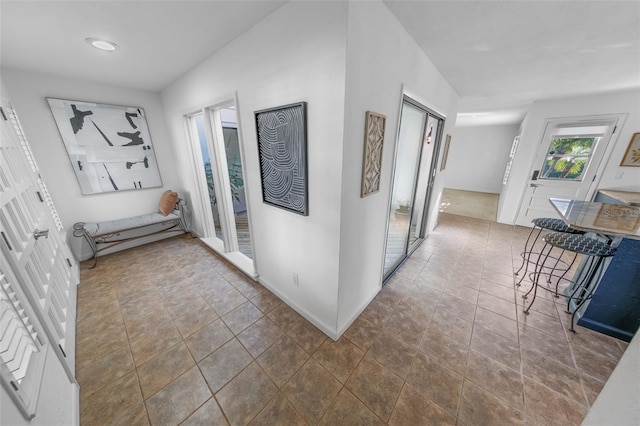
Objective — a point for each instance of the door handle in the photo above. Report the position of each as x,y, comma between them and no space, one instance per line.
534,185
37,233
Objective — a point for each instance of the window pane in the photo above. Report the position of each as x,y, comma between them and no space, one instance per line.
410,140
208,171
567,158
236,180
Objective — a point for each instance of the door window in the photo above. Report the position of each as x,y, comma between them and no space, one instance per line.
567,157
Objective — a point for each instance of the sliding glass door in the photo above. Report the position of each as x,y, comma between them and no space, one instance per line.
418,140
216,148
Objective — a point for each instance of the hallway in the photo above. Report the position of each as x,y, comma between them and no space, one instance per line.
479,205
170,333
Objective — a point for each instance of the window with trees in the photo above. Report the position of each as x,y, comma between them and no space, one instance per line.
567,157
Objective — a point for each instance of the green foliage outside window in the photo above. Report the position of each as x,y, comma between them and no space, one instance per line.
567,158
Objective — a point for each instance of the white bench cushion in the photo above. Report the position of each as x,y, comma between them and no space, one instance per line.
119,225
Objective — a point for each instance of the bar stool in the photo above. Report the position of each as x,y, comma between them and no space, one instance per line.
596,251
549,224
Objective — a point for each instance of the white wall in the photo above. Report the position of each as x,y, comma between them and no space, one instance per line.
477,157
613,177
28,92
295,54
381,57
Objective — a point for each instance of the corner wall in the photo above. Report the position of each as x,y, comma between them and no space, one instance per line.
381,57
612,177
478,156
28,92
295,54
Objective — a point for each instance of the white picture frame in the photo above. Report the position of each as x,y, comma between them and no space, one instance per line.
109,146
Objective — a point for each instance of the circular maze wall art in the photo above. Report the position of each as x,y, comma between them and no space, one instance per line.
282,146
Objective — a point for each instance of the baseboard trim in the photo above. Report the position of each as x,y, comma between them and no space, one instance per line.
326,329
343,328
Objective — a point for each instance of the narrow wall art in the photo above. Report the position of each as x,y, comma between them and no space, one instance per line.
109,146
445,152
282,147
372,157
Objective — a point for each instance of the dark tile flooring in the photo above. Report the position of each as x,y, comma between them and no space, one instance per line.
169,333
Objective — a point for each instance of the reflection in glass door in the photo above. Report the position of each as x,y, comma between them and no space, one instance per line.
412,123
418,139
424,183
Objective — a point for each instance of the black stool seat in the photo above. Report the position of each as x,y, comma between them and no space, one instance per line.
555,225
579,244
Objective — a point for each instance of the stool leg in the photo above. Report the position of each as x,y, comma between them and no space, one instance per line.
555,265
578,287
525,262
564,273
525,250
589,291
536,276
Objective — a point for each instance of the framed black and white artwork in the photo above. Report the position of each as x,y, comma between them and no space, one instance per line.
282,147
109,145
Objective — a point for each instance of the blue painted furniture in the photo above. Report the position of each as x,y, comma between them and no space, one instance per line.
615,305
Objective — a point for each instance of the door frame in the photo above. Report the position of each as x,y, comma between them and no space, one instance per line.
433,170
619,121
416,102
228,246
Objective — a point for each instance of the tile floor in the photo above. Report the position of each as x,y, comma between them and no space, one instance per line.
168,333
480,205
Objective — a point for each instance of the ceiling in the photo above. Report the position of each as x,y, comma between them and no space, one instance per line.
499,56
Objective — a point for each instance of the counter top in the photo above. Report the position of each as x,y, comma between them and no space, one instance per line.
602,218
626,197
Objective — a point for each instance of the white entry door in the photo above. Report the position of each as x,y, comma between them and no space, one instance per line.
31,245
565,165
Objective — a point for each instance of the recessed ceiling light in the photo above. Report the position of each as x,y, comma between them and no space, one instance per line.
109,46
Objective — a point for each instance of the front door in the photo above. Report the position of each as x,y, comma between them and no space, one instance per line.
566,163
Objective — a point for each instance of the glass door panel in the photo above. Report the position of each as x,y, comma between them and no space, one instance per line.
236,179
424,181
209,171
412,126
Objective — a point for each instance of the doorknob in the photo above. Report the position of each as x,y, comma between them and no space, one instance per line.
40,233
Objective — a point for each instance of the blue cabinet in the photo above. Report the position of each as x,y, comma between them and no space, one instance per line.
615,307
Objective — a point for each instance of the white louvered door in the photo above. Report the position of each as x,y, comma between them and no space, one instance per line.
31,244
23,345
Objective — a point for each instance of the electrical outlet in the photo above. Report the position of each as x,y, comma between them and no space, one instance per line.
295,279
